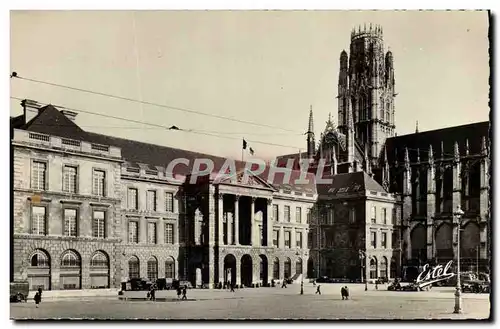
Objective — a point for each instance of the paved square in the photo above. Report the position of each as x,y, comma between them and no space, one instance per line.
268,303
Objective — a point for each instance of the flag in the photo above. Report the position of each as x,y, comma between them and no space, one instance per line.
244,144
251,151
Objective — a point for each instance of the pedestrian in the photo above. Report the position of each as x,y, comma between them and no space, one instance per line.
318,289
184,291
178,292
283,285
40,292
343,293
153,293
232,287
376,285
346,292
37,299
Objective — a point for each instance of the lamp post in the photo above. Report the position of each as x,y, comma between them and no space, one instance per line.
458,294
362,256
301,277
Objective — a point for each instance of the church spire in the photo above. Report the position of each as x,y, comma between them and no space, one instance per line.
311,143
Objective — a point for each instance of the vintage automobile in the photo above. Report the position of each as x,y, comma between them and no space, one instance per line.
475,286
19,291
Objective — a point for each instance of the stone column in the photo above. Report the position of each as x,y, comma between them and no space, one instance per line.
229,221
221,269
220,212
176,232
252,222
281,241
456,202
143,230
238,271
484,201
431,205
256,269
237,222
211,236
269,222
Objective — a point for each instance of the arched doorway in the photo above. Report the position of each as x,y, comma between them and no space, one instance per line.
246,270
71,270
298,266
418,238
444,243
288,268
373,268
393,268
263,269
133,268
152,271
170,269
39,270
99,270
230,269
310,268
276,269
469,247
383,267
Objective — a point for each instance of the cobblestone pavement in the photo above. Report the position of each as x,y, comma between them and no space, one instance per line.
268,303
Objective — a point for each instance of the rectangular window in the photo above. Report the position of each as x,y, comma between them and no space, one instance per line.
169,233
298,215
70,222
98,182
374,215
309,215
374,239
133,232
287,214
276,238
69,179
38,220
384,240
394,240
275,213
151,233
132,198
352,215
151,200
298,237
169,202
384,215
288,235
38,174
394,215
98,224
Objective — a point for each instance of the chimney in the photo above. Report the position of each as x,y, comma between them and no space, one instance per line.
31,109
69,114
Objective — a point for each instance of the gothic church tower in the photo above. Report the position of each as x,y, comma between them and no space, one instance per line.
366,93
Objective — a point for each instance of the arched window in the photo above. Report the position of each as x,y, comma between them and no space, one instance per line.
298,266
99,260
133,268
383,267
152,269
373,268
70,259
170,268
288,268
40,259
276,269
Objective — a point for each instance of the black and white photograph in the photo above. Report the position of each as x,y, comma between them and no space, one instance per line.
250,164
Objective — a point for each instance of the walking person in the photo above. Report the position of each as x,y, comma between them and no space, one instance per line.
343,293
232,287
40,292
153,293
184,291
318,289
179,290
283,285
37,299
346,292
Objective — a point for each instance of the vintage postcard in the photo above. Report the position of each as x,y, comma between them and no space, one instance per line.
250,165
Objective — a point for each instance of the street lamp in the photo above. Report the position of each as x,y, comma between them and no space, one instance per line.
362,256
301,277
458,295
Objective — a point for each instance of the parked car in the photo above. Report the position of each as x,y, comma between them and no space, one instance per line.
19,291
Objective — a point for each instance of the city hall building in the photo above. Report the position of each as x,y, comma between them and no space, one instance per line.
92,211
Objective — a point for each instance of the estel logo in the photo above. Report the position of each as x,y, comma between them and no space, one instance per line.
429,276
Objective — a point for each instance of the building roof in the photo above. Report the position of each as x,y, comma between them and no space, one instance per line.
420,142
51,121
345,184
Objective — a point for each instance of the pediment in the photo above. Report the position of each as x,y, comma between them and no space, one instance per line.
246,178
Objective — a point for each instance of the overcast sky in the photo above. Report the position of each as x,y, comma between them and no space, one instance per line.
262,66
